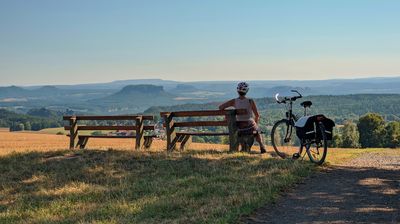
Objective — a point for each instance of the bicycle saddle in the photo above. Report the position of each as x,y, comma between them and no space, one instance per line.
306,104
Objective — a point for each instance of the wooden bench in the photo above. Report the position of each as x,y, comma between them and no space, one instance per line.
79,140
185,138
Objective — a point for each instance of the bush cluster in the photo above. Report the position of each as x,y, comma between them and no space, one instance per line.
371,130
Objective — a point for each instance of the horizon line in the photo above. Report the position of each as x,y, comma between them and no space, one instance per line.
199,81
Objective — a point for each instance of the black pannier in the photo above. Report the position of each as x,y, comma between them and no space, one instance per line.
306,127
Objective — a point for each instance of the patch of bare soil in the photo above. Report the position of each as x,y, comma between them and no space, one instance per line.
63,157
365,190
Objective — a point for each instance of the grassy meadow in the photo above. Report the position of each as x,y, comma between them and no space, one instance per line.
41,182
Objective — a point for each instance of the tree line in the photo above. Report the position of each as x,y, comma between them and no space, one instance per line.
371,130
34,120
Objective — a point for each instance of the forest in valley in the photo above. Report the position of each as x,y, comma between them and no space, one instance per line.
362,120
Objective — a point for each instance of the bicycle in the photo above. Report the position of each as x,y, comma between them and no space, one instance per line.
313,136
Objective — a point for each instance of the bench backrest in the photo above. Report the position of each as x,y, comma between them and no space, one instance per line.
229,122
137,118
139,126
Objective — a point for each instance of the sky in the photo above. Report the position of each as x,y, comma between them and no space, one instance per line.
89,41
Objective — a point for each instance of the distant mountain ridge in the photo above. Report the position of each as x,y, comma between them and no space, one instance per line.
132,92
141,89
133,96
13,91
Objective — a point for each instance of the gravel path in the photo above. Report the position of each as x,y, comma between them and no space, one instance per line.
366,190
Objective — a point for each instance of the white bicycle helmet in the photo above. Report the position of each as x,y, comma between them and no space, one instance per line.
243,87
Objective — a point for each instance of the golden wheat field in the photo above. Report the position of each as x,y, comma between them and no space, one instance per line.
38,141
33,141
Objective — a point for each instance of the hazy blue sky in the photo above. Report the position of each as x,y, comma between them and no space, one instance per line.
47,42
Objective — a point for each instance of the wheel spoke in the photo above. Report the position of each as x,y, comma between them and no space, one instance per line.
283,139
317,150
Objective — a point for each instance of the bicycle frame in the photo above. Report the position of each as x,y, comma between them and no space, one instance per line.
292,118
289,113
309,142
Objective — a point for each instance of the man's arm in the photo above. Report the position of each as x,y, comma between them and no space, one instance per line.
227,104
255,111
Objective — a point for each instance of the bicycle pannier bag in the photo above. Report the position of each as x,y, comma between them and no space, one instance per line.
307,127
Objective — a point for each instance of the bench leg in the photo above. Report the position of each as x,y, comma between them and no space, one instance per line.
172,145
185,143
82,142
147,142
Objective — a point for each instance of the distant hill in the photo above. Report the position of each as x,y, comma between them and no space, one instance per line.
118,84
133,96
184,88
13,91
136,98
45,113
44,91
191,93
139,92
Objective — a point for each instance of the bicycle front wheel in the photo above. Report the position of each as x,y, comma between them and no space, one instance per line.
317,149
284,139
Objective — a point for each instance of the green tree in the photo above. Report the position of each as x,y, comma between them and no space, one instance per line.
336,141
16,126
97,133
198,139
350,135
225,140
392,134
28,126
371,127
21,127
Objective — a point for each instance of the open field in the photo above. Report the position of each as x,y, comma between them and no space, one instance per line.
53,131
37,141
42,182
61,130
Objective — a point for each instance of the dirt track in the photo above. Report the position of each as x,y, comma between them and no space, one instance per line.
365,190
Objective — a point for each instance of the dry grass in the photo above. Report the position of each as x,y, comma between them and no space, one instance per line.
42,182
100,186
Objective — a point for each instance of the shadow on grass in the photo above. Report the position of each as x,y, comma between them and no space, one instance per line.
122,186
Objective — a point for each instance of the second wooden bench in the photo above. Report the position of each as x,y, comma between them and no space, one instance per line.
80,140
184,137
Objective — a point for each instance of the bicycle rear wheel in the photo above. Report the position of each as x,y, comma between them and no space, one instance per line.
284,139
318,149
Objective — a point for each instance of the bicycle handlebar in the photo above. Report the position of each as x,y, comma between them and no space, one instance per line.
293,98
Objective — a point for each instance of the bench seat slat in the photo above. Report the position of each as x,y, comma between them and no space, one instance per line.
201,113
110,117
200,123
104,128
112,136
202,133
